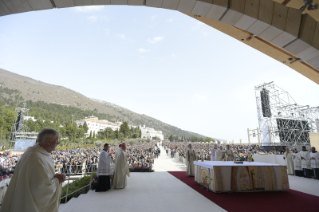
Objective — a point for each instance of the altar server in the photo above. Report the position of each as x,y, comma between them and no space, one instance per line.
121,169
229,154
305,162
104,170
220,154
213,151
190,158
34,185
297,163
289,161
314,158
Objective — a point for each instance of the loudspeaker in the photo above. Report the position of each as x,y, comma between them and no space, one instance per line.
265,106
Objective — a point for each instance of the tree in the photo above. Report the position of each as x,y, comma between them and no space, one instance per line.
171,138
93,134
125,129
85,127
90,134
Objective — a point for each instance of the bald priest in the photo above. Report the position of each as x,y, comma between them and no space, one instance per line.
34,186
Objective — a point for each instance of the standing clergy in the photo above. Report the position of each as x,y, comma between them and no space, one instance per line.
121,169
229,154
190,158
289,161
297,163
305,162
314,158
34,186
213,151
220,154
104,170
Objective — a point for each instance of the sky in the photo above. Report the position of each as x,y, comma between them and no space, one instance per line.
152,61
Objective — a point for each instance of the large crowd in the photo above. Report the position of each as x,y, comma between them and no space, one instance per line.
84,160
203,150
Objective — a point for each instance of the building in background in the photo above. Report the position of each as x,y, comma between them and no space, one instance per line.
96,125
150,133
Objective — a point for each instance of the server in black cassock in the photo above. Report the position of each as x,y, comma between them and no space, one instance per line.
104,170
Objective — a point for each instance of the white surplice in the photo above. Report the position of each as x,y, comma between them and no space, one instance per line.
290,163
190,158
213,152
297,161
121,170
104,166
219,155
229,155
33,186
305,163
314,162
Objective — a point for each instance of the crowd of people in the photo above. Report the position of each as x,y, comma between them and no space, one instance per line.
203,150
85,160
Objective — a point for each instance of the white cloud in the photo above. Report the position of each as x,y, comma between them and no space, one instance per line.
93,18
121,36
86,9
154,17
155,39
142,50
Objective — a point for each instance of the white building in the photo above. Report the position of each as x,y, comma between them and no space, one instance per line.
96,125
151,133
27,118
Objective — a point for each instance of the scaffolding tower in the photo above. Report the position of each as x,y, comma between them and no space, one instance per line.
281,120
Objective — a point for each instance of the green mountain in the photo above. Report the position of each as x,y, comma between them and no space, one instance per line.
50,99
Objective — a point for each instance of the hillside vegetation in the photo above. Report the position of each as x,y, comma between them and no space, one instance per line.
56,103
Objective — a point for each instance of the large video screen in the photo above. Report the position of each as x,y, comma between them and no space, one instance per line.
23,144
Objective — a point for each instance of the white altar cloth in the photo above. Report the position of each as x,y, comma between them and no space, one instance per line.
211,164
227,176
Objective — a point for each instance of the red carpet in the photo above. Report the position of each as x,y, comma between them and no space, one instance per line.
290,201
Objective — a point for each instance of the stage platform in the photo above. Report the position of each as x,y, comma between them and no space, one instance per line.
160,191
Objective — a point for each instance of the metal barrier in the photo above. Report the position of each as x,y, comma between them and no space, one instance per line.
77,169
85,170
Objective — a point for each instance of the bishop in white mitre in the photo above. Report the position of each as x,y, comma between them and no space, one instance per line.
305,162
121,168
190,158
213,152
229,154
314,161
220,154
297,163
35,186
289,161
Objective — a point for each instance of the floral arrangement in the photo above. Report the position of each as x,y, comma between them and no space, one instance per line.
141,169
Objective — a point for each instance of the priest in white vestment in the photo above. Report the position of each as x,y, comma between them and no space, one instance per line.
190,158
220,154
297,163
121,169
104,170
34,186
305,162
213,152
289,161
314,161
229,154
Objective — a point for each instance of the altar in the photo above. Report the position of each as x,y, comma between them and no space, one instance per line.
226,176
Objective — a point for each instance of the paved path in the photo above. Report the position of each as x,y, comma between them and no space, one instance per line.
165,163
